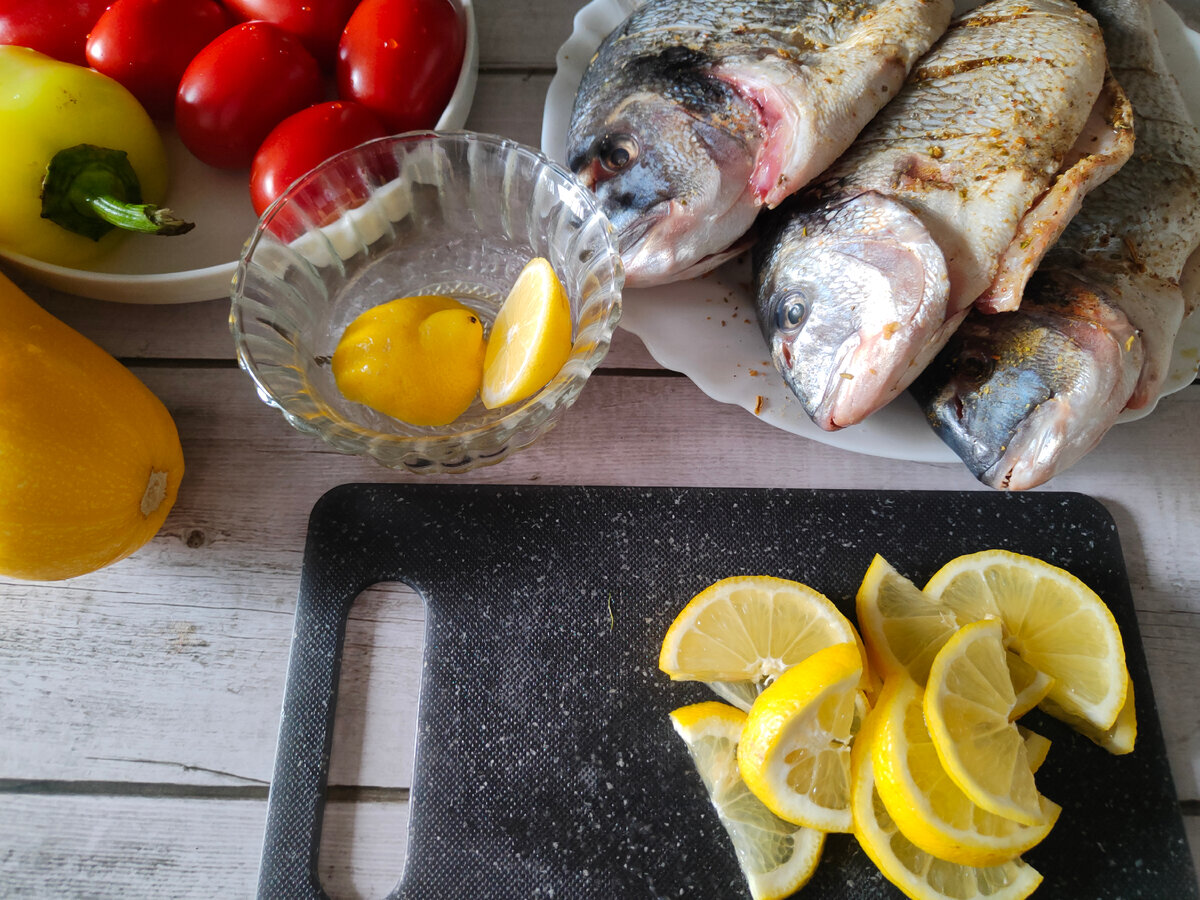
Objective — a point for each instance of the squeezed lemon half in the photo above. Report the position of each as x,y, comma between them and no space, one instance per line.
417,359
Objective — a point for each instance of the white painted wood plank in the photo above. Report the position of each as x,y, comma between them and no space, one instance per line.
522,33
121,847
177,654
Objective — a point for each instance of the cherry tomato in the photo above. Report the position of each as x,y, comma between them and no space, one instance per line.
318,23
147,44
303,141
402,58
58,28
238,88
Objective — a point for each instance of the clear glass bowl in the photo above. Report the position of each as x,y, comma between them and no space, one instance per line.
422,213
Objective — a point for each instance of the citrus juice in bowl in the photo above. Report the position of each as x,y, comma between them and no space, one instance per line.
454,215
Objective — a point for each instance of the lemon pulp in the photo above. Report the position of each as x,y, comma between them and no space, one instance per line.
530,339
417,359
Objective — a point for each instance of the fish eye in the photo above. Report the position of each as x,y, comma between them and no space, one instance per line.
792,311
616,151
976,367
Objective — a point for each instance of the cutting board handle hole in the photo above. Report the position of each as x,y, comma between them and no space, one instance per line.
362,850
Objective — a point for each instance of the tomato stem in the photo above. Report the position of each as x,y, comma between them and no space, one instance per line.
91,190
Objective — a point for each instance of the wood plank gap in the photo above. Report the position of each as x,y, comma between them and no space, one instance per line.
335,793
638,373
514,69
152,362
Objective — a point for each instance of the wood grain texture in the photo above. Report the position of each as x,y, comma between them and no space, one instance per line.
119,847
140,704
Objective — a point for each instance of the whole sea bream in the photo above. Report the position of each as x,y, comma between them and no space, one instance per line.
694,114
861,278
1022,395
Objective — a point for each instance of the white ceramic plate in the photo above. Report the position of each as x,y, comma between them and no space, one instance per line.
200,264
706,328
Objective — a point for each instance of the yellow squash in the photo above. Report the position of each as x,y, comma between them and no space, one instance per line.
90,460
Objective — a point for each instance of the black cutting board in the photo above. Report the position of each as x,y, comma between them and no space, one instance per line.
546,765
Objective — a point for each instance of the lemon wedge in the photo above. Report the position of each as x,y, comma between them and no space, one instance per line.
1052,620
904,628
918,874
741,633
1117,740
776,857
795,748
968,703
530,339
925,803
417,359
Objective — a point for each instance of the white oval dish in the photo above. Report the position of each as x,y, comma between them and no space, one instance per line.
200,265
706,328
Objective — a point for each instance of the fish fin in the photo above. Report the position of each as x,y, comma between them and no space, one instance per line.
1103,146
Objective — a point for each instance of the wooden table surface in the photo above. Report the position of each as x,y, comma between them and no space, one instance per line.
139,705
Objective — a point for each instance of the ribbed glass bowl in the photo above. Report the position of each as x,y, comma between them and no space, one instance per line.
453,213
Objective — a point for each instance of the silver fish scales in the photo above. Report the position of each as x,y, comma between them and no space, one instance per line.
1022,395
694,115
863,277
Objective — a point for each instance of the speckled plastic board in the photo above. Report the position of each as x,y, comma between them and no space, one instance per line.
546,765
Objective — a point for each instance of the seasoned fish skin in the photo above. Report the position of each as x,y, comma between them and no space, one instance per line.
1111,293
694,114
962,154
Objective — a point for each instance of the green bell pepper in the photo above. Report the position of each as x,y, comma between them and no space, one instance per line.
81,162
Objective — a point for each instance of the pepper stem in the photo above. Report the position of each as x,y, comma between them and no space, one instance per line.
144,217
90,190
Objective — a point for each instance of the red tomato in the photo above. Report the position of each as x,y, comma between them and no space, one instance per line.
402,58
241,86
303,141
58,28
318,23
146,45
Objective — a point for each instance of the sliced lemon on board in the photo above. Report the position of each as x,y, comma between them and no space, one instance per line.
795,748
1037,747
530,339
968,703
904,628
1117,740
1052,620
925,803
777,857
745,631
918,874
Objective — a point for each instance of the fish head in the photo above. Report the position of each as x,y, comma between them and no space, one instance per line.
671,166
848,296
1020,396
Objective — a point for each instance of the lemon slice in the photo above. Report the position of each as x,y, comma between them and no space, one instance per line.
925,803
1052,620
1037,748
918,874
968,703
530,339
1117,740
795,748
776,857
745,631
904,628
